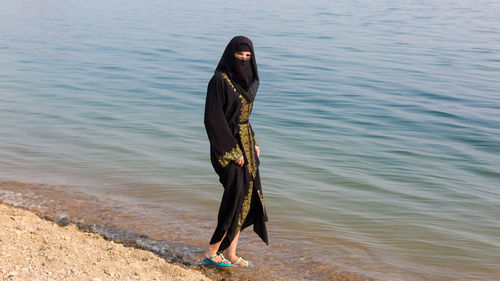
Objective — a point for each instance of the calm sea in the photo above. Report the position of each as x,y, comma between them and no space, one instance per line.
379,124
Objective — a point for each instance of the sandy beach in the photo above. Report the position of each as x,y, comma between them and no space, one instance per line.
32,248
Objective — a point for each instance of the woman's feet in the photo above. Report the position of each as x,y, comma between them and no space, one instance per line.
217,260
239,261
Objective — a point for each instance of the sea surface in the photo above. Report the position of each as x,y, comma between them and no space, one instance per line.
378,122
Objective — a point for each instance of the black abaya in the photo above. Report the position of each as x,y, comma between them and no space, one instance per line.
227,110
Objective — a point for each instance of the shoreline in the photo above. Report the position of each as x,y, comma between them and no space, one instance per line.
163,233
35,247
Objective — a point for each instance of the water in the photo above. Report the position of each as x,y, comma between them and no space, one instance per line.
378,124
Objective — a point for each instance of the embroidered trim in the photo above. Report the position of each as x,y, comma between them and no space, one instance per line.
261,200
247,138
224,75
245,207
248,148
246,108
229,156
248,142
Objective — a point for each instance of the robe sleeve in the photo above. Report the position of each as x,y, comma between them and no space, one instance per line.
219,134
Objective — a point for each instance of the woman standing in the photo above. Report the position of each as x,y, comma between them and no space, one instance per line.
234,151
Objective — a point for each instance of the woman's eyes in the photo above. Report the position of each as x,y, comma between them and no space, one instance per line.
244,55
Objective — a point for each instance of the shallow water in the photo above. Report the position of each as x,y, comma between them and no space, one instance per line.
169,230
378,124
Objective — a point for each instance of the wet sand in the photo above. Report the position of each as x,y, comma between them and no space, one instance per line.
171,232
32,248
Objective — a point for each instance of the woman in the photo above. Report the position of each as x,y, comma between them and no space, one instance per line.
234,151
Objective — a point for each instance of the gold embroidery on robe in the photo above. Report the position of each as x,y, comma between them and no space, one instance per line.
248,142
245,132
261,200
248,148
224,75
245,207
229,156
246,108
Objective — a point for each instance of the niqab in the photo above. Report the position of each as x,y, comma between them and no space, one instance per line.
242,72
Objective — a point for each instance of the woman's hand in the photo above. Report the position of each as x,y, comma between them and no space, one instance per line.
257,150
240,161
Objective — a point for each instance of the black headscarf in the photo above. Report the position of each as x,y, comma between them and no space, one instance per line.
243,73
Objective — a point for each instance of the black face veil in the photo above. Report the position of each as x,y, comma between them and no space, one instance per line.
242,72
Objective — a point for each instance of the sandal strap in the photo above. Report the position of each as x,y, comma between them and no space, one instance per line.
212,256
247,263
223,259
222,256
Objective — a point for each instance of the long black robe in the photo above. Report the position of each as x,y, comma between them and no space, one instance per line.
227,110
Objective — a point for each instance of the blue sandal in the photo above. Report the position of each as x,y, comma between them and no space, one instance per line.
221,263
